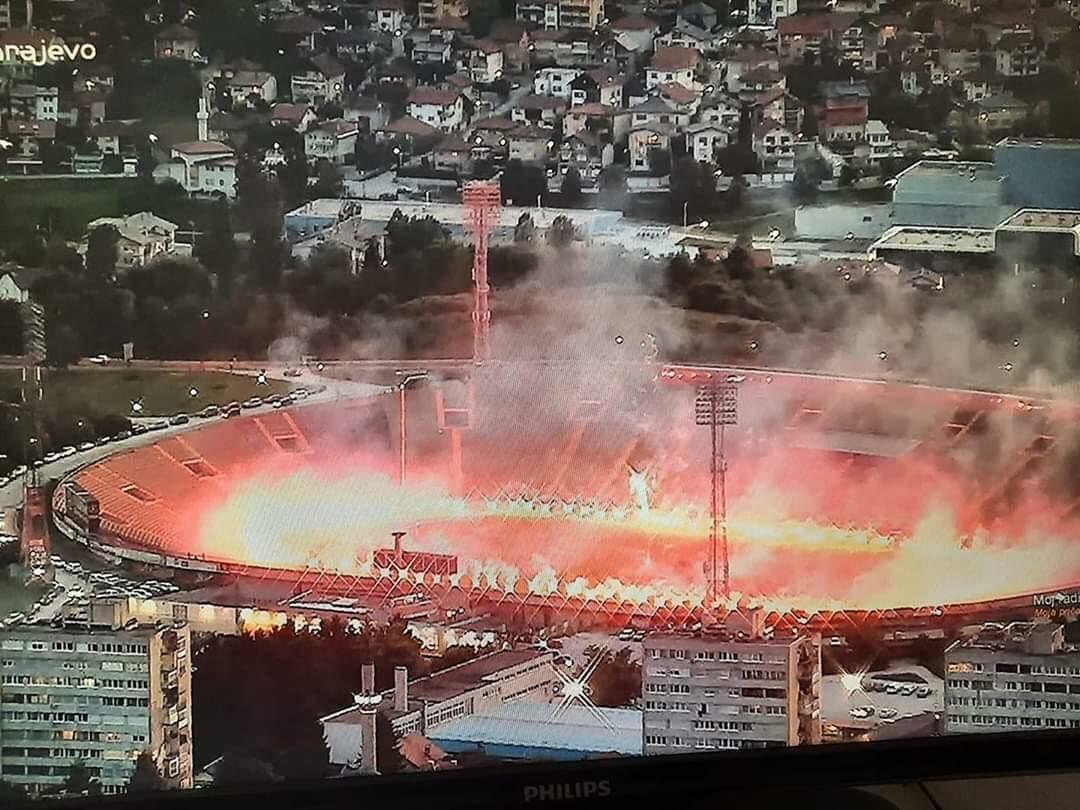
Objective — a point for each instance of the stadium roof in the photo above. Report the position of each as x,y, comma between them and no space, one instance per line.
858,444
539,725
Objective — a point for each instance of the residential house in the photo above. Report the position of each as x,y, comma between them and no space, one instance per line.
698,14
28,138
555,81
16,282
530,144
387,15
177,42
586,152
999,112
462,83
413,135
611,123
396,74
30,102
721,110
428,47
554,14
513,37
599,86
117,137
534,109
645,142
978,85
201,167
781,9
443,109
858,45
334,141
303,31
759,81
743,61
774,144
1017,55
451,155
635,32
358,43
704,140
920,74
959,52
249,86
657,111
681,99
779,105
367,112
687,35
483,60
431,12
321,82
141,238
232,128
844,111
803,35
679,65
562,47
878,141
488,139
293,116
84,108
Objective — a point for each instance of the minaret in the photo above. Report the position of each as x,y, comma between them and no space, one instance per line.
203,117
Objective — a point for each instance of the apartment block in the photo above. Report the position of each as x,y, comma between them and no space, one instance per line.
1012,677
97,693
730,690
554,14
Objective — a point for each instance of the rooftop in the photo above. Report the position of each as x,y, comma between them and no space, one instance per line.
938,240
1032,638
541,725
1038,143
1042,220
676,58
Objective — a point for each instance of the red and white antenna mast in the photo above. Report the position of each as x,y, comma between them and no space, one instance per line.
482,203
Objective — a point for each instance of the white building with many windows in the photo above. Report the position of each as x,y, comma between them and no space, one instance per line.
729,690
99,693
1010,677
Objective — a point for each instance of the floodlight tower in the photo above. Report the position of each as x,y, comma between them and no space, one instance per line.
482,203
716,406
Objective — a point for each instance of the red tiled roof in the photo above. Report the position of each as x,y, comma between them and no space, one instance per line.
497,124
633,22
433,95
407,125
677,93
675,58
592,108
841,117
807,25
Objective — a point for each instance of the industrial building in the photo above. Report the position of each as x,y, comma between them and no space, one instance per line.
544,731
1040,173
1011,677
98,693
950,194
425,704
728,689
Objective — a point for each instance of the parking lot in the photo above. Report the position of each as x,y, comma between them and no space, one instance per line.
837,702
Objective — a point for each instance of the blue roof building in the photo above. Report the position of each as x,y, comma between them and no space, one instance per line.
950,194
521,730
1040,173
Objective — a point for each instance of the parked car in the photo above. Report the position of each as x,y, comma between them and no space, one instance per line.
49,458
293,372
67,452
161,424
101,441
232,410
923,691
84,446
209,411
254,402
20,470
123,434
180,419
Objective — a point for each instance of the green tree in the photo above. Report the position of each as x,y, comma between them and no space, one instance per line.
293,177
62,346
659,162
616,681
216,248
571,186
848,175
102,251
330,182
525,230
522,184
237,769
562,232
146,778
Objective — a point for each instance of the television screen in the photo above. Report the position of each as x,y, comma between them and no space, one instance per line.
404,385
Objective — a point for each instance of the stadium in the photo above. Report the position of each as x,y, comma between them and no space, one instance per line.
542,492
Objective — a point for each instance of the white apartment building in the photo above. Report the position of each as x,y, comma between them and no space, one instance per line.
332,140
141,238
97,693
729,690
1012,677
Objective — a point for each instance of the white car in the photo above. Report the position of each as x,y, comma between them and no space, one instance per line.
20,470
76,592
66,452
100,359
84,446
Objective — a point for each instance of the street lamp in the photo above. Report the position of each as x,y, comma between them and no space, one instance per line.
403,384
397,154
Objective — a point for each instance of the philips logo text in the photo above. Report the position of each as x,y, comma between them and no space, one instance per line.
569,790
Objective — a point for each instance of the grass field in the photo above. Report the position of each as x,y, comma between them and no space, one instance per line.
106,390
74,202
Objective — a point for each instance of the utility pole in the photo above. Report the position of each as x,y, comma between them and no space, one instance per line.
716,407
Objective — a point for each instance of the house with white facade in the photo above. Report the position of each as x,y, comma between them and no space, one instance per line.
774,145
334,141
704,140
673,65
555,81
322,81
646,139
141,238
442,109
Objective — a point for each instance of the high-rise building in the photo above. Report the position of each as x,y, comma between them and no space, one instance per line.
1010,677
724,689
97,693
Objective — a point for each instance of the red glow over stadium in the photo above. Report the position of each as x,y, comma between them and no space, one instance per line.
841,494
